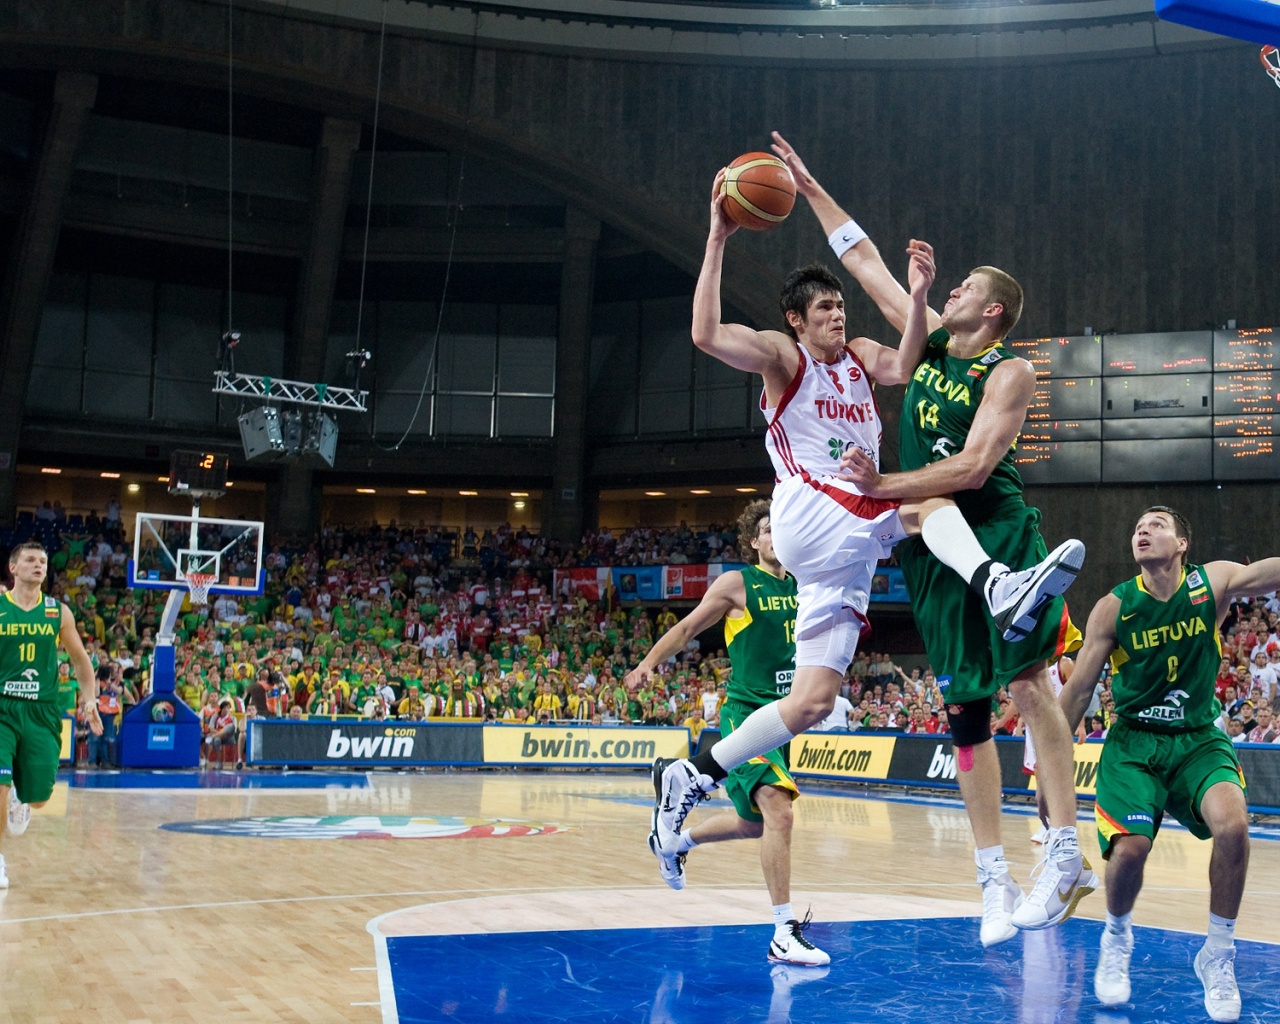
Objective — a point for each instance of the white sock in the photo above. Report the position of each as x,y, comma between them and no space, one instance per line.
781,915
1063,843
1222,933
760,732
1121,925
949,536
685,842
990,857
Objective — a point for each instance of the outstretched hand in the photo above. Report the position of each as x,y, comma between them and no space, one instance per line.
921,270
857,468
806,184
638,676
721,225
91,717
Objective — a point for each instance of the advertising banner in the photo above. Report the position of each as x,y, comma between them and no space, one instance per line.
589,582
843,755
596,746
362,744
638,582
690,582
888,584
1261,764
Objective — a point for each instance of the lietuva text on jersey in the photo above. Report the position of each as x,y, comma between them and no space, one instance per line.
28,629
1145,639
951,390
827,409
776,603
1167,654
29,648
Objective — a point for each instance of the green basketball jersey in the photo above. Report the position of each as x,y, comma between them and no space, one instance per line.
29,649
1167,654
762,640
938,408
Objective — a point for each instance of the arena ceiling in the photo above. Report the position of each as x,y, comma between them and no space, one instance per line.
823,32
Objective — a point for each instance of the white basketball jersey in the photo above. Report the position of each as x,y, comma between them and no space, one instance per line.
1055,677
826,408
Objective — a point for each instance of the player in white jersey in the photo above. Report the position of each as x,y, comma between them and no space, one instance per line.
818,401
1059,673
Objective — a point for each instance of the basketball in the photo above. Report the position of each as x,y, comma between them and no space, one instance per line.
759,191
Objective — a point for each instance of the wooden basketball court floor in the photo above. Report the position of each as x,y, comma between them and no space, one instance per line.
523,896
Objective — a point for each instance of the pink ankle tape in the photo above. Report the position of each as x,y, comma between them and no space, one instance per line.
964,758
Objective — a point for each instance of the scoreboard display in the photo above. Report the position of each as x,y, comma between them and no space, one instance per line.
1185,405
198,473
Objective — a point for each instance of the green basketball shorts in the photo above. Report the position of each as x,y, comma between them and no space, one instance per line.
966,651
1144,774
30,747
769,769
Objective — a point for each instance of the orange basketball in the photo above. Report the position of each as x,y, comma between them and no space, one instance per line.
759,191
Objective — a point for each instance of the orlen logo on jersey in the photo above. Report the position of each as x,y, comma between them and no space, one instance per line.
28,687
394,743
782,679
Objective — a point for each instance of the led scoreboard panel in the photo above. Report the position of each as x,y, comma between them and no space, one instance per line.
198,473
1246,404
1130,355
1178,406
1062,357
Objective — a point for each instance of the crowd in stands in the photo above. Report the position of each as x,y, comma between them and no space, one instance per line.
408,623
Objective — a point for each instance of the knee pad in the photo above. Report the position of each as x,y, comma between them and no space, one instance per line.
970,722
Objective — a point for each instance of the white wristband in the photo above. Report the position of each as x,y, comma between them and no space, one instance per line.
845,237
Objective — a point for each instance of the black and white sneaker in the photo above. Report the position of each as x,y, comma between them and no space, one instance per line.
1016,599
670,866
789,946
677,787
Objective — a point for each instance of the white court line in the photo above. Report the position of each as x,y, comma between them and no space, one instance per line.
362,968
467,893
386,987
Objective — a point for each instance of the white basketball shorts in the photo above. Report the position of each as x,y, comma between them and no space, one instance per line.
830,537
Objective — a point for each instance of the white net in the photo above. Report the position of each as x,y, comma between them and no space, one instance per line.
198,583
1270,57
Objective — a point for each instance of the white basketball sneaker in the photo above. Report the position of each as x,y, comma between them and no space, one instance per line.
1217,972
1001,896
1016,599
789,946
4,878
1065,879
677,787
19,814
670,866
1111,979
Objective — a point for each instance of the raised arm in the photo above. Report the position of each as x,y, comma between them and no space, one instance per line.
1010,387
728,593
896,365
1232,579
735,344
861,258
1099,642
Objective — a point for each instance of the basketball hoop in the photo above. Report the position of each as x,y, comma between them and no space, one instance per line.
198,583
1270,58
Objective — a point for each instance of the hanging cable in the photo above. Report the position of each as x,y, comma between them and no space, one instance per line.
455,210
373,156
230,163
